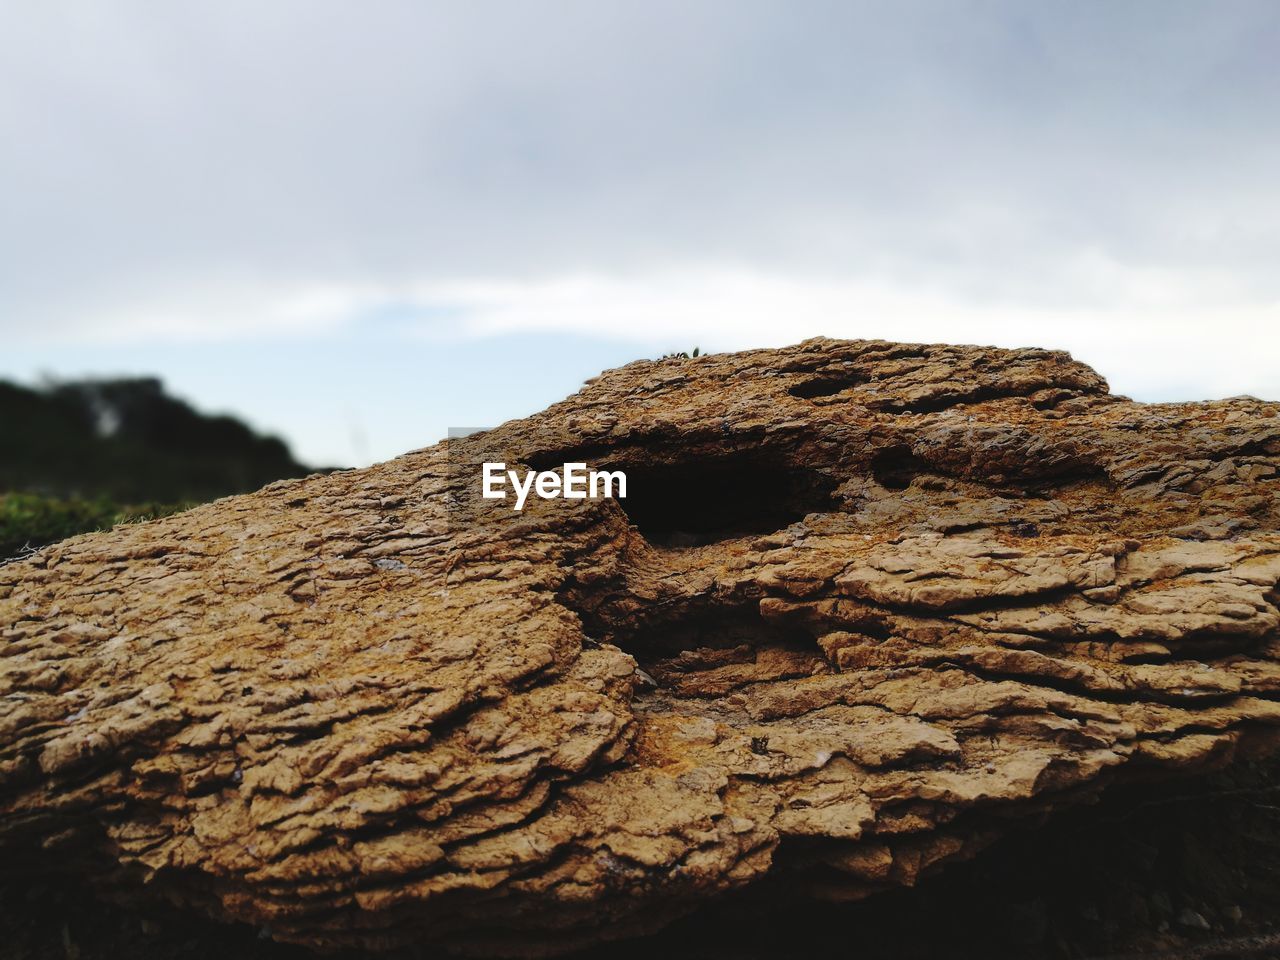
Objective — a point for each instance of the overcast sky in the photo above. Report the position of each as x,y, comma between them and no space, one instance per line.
360,224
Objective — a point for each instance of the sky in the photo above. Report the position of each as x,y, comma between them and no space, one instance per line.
357,225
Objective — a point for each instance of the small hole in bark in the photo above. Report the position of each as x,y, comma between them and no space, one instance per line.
689,504
1049,399
946,399
896,467
826,386
711,651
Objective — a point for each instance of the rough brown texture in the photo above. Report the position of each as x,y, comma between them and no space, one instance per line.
888,603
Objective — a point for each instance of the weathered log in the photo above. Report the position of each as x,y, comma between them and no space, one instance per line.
866,608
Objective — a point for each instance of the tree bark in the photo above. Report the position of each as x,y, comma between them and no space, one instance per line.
866,608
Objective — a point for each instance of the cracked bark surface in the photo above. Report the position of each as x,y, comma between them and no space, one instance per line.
867,608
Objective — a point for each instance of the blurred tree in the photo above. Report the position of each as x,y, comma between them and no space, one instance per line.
84,455
129,441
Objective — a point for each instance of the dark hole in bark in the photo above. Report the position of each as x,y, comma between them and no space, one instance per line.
945,400
711,628
689,504
896,467
706,652
826,386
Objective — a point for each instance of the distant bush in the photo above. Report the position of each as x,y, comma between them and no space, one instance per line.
86,455
130,442
28,521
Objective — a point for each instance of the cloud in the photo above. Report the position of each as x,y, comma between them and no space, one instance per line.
739,171
1158,337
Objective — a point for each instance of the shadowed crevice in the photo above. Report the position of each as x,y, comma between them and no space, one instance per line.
827,386
705,501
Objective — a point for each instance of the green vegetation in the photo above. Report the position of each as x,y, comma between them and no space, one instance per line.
682,355
28,520
86,455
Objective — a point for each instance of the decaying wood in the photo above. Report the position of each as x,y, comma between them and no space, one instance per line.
866,608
